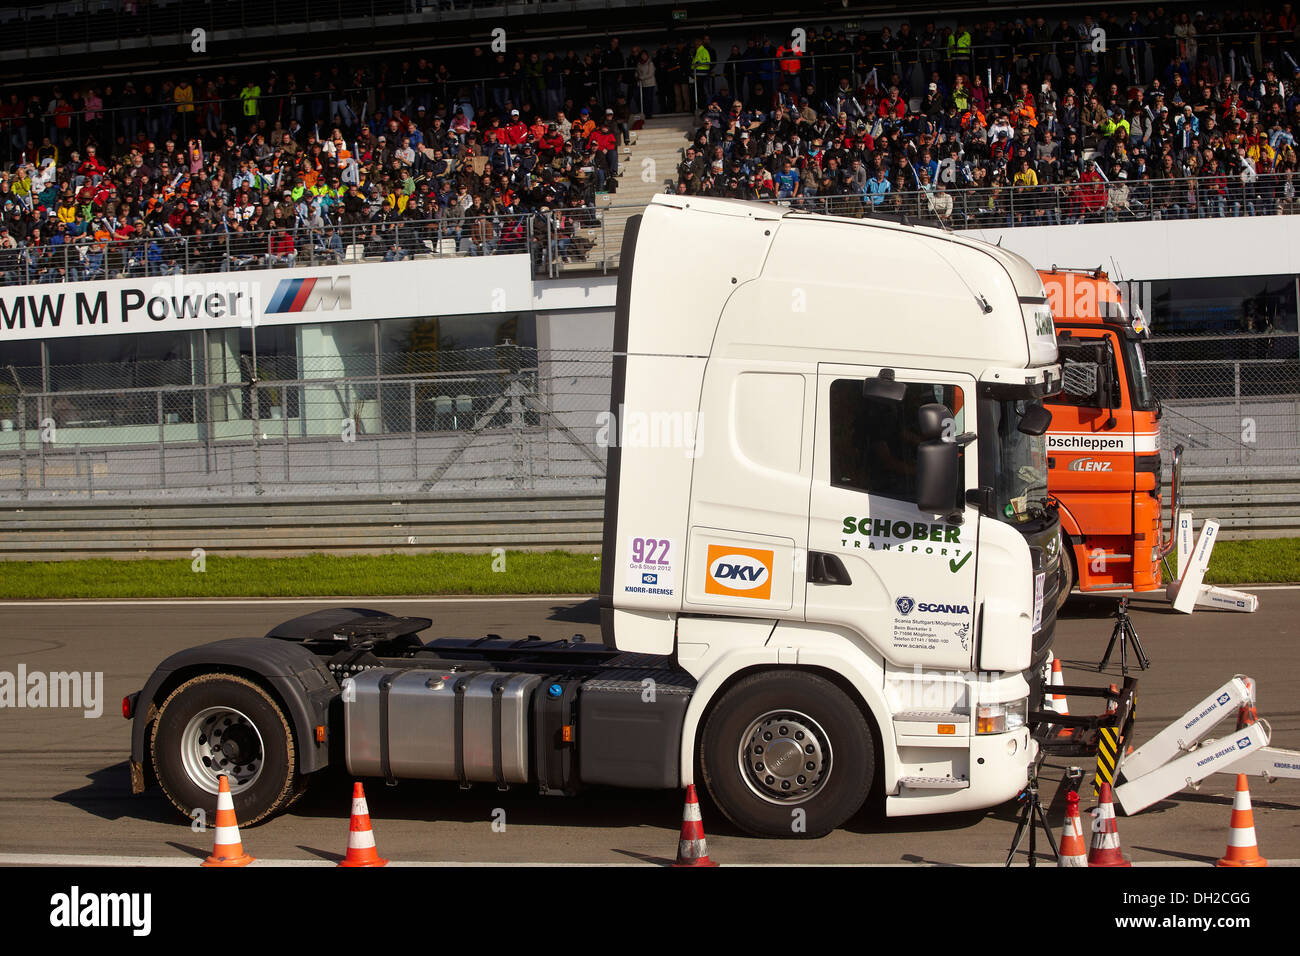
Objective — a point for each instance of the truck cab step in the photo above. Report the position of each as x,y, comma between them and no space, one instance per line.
933,783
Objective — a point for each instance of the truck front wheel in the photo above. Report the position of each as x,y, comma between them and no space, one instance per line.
787,754
218,724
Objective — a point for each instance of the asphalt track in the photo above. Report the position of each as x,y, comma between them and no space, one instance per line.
64,790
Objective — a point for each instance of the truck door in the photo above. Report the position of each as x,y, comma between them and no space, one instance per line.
903,579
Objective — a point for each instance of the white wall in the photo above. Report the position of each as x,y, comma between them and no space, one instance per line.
1172,249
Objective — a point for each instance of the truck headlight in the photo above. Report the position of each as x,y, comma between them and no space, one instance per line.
1000,718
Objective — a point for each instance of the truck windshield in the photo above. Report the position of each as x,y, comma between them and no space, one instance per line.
1015,466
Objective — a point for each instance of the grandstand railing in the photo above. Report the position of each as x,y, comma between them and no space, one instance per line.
589,237
558,240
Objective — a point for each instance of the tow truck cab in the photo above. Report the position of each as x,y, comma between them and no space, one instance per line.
1104,442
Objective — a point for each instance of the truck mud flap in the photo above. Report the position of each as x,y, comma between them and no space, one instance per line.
1070,735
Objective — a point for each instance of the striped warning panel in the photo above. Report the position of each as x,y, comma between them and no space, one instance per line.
1107,758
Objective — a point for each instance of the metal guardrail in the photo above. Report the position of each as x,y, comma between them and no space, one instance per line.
47,531
1257,506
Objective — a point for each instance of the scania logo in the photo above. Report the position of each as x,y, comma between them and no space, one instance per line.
904,605
944,608
1089,464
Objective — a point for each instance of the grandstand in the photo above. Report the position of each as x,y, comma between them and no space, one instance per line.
428,161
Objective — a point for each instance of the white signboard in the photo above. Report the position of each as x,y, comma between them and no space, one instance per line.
452,286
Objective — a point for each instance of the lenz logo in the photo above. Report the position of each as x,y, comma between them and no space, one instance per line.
1089,464
904,605
739,572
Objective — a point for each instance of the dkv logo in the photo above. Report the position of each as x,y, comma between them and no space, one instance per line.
739,572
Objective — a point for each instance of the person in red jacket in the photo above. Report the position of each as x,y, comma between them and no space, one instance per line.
515,132
91,168
281,249
893,106
604,141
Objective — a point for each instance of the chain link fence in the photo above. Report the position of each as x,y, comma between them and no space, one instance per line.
1232,401
502,418
507,418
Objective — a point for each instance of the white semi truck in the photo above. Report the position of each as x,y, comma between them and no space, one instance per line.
841,582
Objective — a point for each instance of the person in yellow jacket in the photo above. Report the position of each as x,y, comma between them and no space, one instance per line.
959,48
251,95
702,73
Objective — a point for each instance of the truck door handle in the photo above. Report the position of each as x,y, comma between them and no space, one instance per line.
826,568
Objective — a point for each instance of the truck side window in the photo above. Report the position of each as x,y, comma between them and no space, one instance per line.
1093,353
873,443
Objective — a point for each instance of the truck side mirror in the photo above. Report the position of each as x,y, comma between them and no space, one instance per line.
884,387
936,476
1034,421
932,419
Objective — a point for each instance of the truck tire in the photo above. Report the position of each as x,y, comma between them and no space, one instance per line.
1068,575
224,723
783,717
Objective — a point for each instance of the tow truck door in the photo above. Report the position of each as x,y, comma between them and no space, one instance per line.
1090,465
903,579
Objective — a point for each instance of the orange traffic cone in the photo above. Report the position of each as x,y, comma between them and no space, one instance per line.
692,850
1058,702
1242,848
1105,849
1073,852
227,850
1247,713
361,839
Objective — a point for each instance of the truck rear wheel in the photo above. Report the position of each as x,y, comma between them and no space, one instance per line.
787,755
217,724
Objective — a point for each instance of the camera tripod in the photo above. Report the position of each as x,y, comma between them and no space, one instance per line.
1124,633
1032,816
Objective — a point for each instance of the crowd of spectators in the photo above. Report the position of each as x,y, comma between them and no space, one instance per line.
1021,122
147,178
485,151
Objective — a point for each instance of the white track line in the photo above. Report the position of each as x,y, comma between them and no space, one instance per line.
391,598
63,859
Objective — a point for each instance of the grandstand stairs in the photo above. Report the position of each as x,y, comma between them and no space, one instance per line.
662,141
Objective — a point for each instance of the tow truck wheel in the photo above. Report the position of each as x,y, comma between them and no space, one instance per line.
1068,575
787,755
225,724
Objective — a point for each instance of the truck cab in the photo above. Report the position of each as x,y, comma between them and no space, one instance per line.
1104,442
828,365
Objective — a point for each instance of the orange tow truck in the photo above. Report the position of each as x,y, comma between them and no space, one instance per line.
1103,445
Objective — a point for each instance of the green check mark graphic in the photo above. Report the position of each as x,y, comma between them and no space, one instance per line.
955,566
